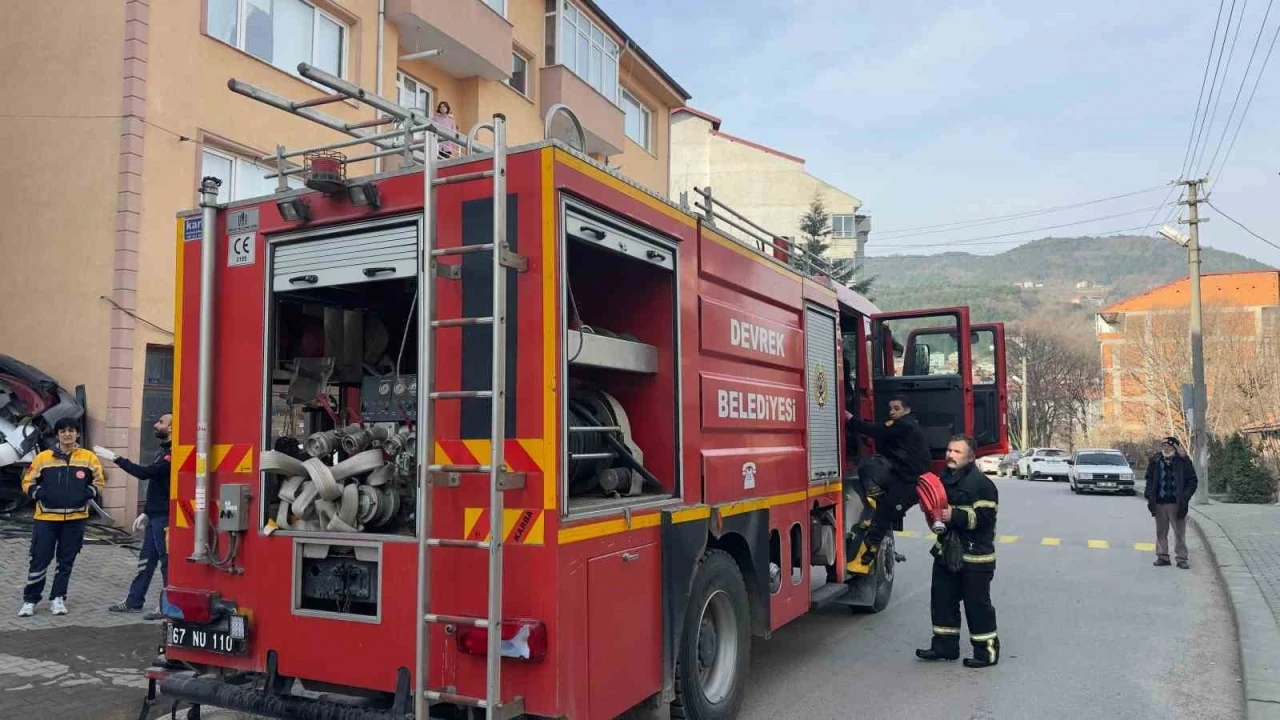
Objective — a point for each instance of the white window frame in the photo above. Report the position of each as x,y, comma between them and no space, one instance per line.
853,226
527,63
646,117
609,50
401,75
241,28
503,3
231,184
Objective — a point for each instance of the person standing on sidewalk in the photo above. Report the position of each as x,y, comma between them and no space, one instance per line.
1171,481
62,481
154,519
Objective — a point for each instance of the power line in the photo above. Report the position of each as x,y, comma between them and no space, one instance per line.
19,116
1242,226
1195,119
973,240
1247,105
1225,72
1240,90
994,219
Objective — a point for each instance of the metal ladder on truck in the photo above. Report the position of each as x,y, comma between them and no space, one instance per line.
400,142
448,475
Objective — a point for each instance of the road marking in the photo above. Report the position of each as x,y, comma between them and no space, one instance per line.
1008,539
1051,541
1099,544
908,533
1145,547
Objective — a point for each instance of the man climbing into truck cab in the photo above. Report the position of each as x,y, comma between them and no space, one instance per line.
902,456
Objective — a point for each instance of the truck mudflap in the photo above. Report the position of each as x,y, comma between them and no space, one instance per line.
207,691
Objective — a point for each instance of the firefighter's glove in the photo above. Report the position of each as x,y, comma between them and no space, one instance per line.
140,522
104,453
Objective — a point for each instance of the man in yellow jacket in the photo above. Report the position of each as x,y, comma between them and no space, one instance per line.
62,481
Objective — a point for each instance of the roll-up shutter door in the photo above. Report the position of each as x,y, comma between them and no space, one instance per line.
823,388
380,253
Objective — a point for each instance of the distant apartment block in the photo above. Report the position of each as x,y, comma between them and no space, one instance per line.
130,108
1144,344
769,186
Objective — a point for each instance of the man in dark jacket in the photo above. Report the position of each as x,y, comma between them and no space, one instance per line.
1171,481
903,455
154,519
971,522
62,480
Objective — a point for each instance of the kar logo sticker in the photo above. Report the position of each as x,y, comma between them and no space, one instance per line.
821,388
748,475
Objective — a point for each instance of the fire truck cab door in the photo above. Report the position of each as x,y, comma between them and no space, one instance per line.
990,391
928,367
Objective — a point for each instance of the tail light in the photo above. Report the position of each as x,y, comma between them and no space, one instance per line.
194,606
521,639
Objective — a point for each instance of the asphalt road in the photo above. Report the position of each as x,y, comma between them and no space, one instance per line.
1085,632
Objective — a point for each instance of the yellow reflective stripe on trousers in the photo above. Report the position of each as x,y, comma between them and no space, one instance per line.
983,637
939,630
980,558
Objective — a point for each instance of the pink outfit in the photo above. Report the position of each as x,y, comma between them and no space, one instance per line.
447,149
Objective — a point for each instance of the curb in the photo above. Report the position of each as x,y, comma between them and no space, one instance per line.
1257,630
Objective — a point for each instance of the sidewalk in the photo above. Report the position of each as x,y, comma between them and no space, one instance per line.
1245,542
86,665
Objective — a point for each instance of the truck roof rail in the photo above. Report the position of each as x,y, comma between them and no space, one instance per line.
796,255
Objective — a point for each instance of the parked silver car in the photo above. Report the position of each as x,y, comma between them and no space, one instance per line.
1101,470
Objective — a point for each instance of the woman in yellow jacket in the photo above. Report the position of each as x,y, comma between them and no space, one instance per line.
62,481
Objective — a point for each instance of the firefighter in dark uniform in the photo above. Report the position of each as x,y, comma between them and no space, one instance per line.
903,455
963,572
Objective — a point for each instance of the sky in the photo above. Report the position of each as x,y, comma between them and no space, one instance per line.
946,112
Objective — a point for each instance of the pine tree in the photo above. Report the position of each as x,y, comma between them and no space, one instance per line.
815,227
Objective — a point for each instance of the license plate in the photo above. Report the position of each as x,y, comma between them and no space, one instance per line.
1107,485
202,638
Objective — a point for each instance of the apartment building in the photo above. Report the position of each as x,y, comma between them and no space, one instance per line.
119,107
771,187
1145,352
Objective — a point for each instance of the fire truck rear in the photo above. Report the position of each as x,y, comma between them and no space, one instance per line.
508,434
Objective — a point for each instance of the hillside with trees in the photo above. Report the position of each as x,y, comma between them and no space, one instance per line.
1113,267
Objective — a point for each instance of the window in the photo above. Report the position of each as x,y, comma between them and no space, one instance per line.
413,94
499,6
241,177
281,32
843,226
638,120
519,74
583,48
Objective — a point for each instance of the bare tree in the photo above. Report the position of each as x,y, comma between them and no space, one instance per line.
1241,371
1063,380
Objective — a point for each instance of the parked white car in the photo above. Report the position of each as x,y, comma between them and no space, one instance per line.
1045,463
1101,470
989,464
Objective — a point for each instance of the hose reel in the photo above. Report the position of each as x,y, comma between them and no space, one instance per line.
603,456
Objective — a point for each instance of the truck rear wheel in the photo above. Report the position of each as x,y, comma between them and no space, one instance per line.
715,645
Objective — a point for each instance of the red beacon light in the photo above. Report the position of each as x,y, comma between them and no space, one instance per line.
326,171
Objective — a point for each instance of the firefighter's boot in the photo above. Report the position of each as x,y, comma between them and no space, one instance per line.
863,558
986,652
943,647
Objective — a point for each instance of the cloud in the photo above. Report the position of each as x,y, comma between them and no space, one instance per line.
943,111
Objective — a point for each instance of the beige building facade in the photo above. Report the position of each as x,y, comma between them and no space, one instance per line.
769,186
119,107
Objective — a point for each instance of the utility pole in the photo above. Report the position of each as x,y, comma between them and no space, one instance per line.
1026,433
1199,405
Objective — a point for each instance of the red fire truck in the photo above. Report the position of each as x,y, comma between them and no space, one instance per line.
507,434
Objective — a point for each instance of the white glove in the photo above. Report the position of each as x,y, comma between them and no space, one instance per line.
104,453
139,522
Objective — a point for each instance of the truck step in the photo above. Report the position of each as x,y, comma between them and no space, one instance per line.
827,594
505,711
